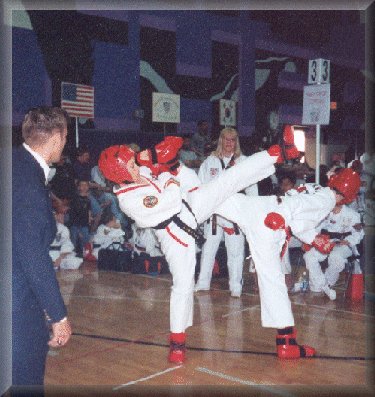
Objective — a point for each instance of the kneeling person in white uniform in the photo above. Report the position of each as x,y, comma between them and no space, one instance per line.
343,226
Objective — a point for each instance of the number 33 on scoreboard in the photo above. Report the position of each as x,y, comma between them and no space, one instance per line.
319,71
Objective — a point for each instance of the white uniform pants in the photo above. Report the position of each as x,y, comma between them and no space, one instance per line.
235,246
265,246
336,264
203,201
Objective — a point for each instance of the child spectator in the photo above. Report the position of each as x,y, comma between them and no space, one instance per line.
147,251
80,218
108,232
62,249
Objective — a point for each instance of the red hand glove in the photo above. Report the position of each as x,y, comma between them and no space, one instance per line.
163,156
274,221
323,243
167,150
275,151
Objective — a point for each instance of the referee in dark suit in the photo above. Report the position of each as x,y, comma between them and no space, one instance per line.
35,291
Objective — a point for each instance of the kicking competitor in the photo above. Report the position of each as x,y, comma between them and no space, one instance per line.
268,222
175,214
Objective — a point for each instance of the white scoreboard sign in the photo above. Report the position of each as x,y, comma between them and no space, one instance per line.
319,71
316,104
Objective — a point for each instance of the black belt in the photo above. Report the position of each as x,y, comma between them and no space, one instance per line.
335,235
195,233
55,248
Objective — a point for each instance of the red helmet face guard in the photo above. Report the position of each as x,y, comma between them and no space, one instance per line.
113,163
347,183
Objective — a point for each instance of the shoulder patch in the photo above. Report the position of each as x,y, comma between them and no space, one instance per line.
150,201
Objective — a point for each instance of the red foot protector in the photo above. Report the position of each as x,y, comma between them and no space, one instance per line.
177,348
287,347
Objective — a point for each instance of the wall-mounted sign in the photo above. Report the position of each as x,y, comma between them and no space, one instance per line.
165,108
227,113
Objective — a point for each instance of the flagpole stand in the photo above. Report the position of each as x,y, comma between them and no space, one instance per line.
77,139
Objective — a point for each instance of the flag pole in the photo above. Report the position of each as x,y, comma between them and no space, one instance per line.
77,140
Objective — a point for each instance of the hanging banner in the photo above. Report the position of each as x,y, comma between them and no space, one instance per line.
227,113
165,108
316,104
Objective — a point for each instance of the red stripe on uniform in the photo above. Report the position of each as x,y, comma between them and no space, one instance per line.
175,237
194,188
128,189
153,184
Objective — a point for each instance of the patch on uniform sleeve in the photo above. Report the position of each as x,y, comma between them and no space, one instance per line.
214,171
150,201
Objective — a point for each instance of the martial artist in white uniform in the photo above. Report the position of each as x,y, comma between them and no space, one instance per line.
227,154
342,220
107,234
301,214
160,203
144,240
62,249
153,203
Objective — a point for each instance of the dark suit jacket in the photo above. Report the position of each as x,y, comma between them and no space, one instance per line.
34,284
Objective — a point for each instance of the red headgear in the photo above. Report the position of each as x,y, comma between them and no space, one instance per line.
347,183
112,163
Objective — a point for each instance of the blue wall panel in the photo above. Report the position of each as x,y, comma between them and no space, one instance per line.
29,75
116,80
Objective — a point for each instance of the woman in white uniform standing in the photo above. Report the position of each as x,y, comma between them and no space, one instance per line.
227,154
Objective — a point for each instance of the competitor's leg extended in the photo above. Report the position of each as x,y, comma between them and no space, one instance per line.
209,196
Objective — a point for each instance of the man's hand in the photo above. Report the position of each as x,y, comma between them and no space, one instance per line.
62,331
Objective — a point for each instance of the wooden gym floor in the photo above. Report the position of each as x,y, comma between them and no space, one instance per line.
121,327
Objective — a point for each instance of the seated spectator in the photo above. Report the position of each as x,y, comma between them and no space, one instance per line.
188,156
147,250
101,197
82,165
63,182
201,142
108,232
62,249
80,218
286,182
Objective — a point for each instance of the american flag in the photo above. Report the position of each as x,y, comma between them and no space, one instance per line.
78,100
